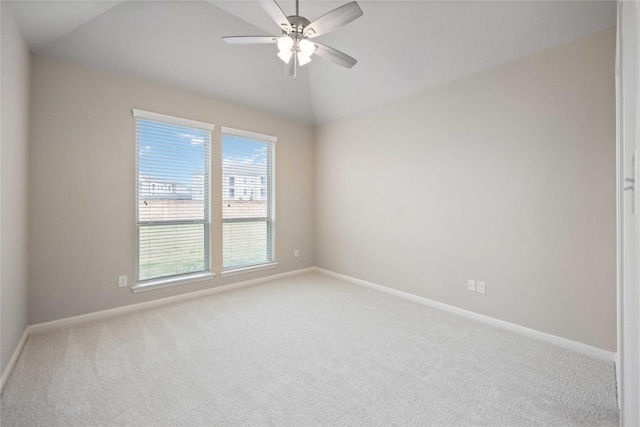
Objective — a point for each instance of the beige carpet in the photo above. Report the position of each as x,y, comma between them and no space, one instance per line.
308,350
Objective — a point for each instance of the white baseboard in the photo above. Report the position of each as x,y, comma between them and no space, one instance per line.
599,353
98,315
14,359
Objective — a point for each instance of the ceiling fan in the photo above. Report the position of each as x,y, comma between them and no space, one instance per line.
294,45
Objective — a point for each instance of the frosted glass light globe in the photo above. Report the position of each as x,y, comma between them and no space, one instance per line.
303,59
285,55
285,43
306,47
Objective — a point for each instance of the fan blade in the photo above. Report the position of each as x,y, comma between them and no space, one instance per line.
250,39
288,70
333,20
278,16
334,55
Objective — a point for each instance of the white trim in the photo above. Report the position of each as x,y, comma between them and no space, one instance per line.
248,134
14,359
619,205
628,142
173,120
542,336
164,282
98,315
252,268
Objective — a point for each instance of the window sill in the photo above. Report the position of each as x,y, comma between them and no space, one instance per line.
250,269
165,283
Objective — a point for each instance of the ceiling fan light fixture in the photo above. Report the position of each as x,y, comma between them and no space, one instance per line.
294,47
285,55
285,44
306,47
303,59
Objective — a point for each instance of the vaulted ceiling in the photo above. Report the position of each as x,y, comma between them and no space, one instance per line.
403,47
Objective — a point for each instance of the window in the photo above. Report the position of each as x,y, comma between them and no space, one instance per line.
173,176
248,224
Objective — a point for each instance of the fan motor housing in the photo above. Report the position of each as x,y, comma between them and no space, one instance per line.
298,23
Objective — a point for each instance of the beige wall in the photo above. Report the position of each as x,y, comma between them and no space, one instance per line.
13,178
506,176
82,159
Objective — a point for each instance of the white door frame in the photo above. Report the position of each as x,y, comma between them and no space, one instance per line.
628,143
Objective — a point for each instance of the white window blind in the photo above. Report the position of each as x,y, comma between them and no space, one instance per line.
173,196
247,198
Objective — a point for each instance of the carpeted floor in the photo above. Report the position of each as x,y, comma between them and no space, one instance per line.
303,351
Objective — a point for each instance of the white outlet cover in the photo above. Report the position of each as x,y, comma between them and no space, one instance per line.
471,285
481,287
122,281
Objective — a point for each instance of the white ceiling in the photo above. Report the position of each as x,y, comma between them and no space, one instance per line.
403,47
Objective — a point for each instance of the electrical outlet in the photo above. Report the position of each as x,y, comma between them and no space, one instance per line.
296,254
481,287
471,285
122,281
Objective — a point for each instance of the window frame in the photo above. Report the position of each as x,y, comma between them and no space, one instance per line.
271,204
178,279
